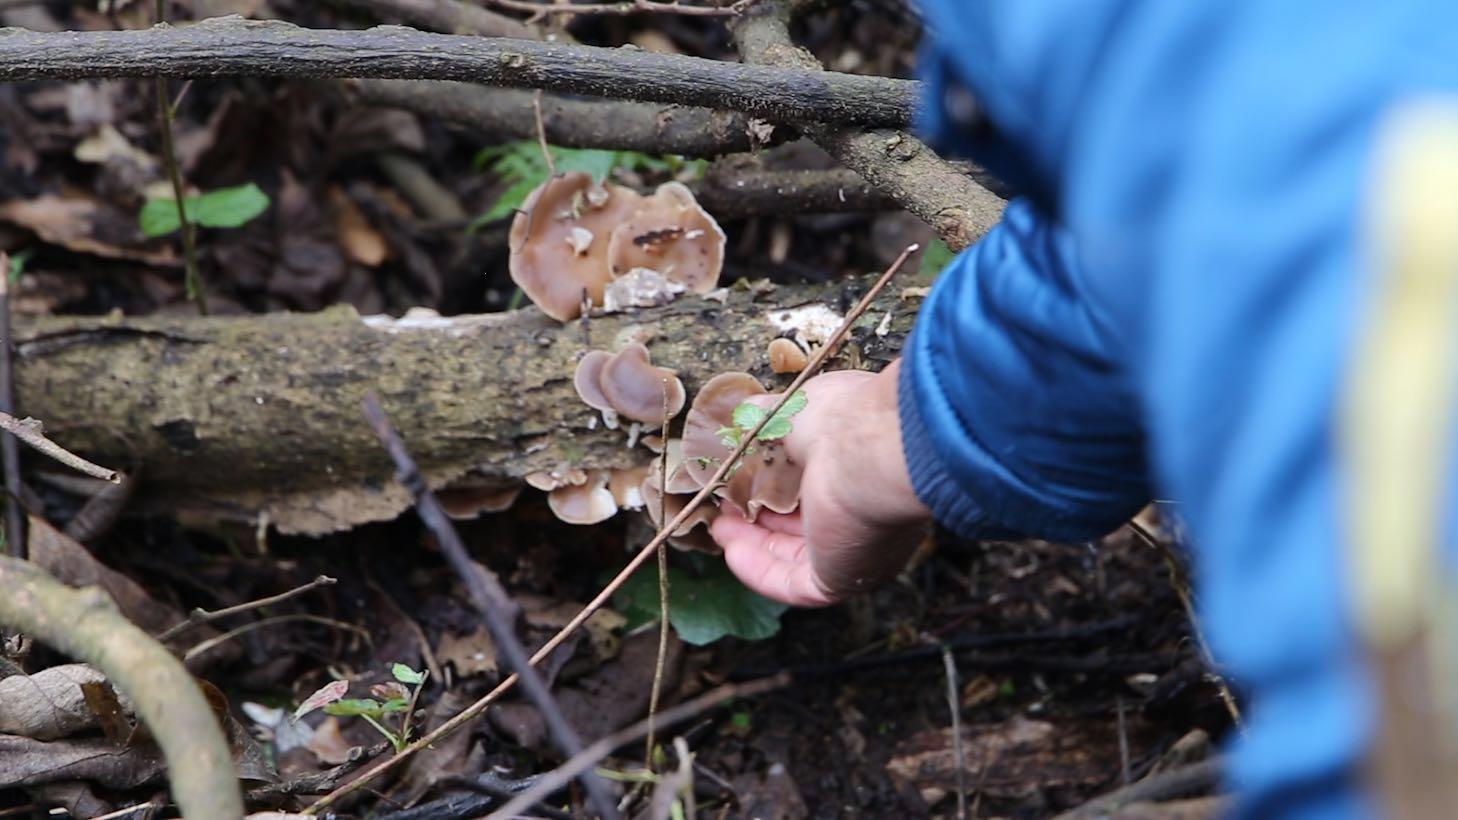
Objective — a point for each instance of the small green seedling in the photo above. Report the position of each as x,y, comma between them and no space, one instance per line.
747,416
394,697
17,264
223,208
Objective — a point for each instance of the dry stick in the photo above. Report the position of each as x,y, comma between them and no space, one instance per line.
658,663
201,616
9,448
542,133
490,598
32,432
954,703
626,7
560,776
1182,590
191,278
475,709
228,46
217,640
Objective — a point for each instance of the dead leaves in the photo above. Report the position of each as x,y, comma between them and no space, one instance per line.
50,704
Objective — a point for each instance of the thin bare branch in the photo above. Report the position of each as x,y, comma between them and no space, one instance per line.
32,432
895,162
626,7
449,16
218,640
203,616
589,757
649,550
230,46
9,450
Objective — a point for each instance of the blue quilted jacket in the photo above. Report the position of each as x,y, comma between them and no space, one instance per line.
1168,310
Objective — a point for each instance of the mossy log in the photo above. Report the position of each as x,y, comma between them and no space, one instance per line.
242,417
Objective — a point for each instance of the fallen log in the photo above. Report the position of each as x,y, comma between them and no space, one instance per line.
242,417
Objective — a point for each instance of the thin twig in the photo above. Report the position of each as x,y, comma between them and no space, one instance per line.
626,7
197,617
954,703
471,712
663,625
274,621
192,278
9,449
32,432
542,133
490,598
131,810
558,777
1182,590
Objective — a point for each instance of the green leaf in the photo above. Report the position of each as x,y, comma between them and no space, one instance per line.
594,162
353,707
730,436
223,208
779,426
17,264
228,207
701,607
394,705
405,674
747,415
159,218
936,256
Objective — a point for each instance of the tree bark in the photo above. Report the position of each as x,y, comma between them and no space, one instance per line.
230,46
900,165
238,417
449,16
503,114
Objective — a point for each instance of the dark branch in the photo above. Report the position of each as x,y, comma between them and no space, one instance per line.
230,46
895,162
489,598
503,114
450,16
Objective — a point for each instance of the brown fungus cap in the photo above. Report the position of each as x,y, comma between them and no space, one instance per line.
559,241
639,390
693,533
548,480
588,503
465,503
628,384
786,357
671,234
585,379
766,478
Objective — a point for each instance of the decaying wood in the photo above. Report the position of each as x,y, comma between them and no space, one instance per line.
259,415
231,46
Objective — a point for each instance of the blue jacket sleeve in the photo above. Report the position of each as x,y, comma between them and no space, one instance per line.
1017,418
1211,161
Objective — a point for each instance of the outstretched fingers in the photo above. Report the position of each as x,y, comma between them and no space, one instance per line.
774,564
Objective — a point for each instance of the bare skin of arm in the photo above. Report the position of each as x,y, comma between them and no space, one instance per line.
859,518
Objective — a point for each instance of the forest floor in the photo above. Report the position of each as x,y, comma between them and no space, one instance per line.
1073,667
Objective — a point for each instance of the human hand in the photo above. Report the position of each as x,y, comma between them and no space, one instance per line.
859,518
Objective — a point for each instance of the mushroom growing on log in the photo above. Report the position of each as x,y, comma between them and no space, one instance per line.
237,417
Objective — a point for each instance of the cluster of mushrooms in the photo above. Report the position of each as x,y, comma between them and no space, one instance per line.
578,244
